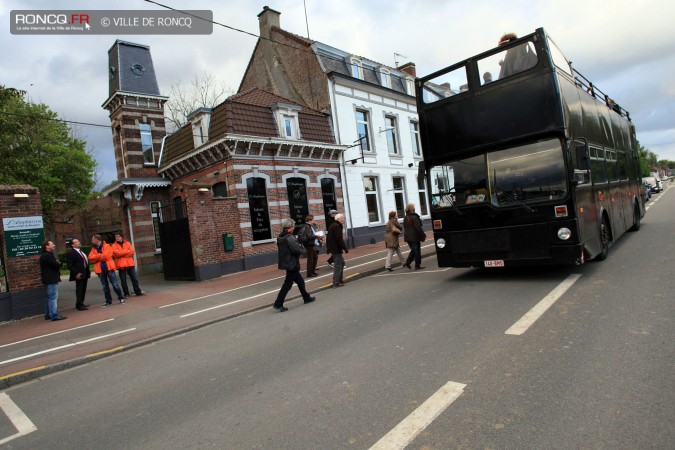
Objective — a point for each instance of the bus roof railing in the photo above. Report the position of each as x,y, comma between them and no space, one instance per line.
596,93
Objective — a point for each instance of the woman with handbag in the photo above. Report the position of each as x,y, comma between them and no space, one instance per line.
391,235
414,235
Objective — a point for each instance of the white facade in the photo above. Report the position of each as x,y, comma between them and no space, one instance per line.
381,177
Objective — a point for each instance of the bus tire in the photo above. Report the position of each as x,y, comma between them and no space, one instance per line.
636,219
605,239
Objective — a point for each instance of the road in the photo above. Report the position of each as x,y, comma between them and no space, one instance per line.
428,350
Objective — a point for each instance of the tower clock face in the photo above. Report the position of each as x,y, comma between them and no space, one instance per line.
137,69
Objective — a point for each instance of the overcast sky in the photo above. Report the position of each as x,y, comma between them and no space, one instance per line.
624,47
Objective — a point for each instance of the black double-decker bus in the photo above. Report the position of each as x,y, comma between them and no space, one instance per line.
527,162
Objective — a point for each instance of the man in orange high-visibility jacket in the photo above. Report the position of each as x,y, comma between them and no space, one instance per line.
102,256
123,252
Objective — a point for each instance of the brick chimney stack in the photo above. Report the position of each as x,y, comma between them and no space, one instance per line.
267,19
408,68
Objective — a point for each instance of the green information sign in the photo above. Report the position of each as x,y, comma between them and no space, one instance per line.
23,235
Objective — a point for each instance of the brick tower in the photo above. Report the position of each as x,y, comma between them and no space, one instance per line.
136,111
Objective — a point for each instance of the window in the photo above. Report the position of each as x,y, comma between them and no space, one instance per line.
146,144
385,78
198,129
507,62
362,127
598,169
287,120
220,189
372,202
421,188
410,86
445,85
390,131
415,138
612,169
356,68
399,195
155,212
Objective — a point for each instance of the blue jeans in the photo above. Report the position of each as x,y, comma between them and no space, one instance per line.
134,280
103,276
51,311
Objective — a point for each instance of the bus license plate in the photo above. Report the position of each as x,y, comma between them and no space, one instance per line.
494,263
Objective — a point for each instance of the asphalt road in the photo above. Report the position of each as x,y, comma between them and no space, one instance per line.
594,371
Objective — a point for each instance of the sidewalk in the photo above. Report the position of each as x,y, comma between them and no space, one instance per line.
33,347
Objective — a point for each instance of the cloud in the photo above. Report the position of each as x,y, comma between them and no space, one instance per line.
624,48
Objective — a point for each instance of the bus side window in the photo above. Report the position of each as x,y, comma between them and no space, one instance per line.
582,158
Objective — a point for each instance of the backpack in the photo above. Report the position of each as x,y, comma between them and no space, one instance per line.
302,233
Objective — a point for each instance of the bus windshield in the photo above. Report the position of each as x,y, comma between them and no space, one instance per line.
524,174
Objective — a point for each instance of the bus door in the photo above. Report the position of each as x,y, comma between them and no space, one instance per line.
584,201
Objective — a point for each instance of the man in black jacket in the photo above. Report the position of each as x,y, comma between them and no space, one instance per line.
78,264
50,271
289,253
335,243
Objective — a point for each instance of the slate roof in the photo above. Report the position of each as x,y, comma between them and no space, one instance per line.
249,113
133,70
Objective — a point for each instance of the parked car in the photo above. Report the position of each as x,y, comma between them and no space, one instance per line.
647,191
651,181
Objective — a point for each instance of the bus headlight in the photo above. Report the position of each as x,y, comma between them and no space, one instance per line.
440,243
564,234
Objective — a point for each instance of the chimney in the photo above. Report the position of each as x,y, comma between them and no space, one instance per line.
267,19
408,68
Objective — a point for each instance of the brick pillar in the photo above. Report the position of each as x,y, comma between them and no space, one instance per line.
22,293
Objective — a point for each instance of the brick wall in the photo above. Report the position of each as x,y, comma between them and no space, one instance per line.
25,294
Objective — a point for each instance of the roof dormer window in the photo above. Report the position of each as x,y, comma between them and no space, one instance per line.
385,77
410,85
356,67
200,120
286,117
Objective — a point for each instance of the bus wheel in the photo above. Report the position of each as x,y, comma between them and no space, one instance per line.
605,238
636,219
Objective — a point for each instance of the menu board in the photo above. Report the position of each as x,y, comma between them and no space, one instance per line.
257,203
328,195
297,198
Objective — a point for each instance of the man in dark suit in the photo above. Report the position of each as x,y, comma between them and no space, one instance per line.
78,264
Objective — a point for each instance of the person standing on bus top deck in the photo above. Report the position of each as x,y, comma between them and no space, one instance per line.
412,233
487,78
517,59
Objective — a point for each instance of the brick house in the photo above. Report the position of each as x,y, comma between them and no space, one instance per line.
208,199
373,109
244,166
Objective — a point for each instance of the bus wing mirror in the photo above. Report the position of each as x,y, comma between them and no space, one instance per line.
420,171
582,158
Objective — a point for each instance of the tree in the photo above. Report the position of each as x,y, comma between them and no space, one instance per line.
39,149
204,91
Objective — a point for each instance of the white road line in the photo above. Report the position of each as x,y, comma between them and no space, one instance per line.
228,304
540,308
20,421
73,344
412,272
56,332
408,429
307,280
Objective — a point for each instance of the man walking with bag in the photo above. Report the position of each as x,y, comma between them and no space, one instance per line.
289,260
414,235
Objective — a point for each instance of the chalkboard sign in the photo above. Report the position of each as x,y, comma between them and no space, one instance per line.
297,198
257,203
328,195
